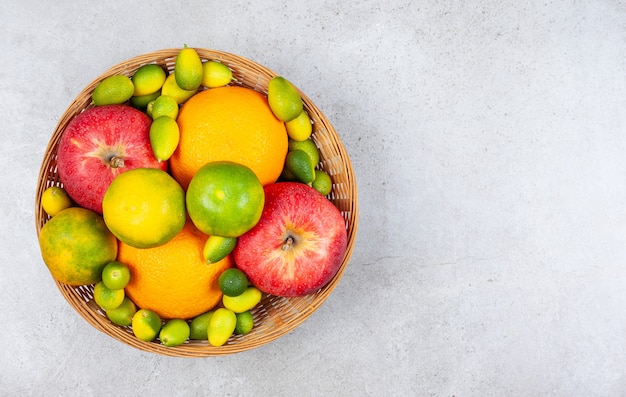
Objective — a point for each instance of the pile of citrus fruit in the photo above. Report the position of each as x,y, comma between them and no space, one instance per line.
159,253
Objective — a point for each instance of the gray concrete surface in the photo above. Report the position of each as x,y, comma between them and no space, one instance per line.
488,140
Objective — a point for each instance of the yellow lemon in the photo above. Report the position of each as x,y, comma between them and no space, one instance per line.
144,207
172,89
188,69
284,99
221,326
54,200
164,105
243,302
299,128
164,137
146,325
113,90
175,332
148,79
215,74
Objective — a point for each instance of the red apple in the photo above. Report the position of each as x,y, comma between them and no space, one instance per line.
298,244
99,144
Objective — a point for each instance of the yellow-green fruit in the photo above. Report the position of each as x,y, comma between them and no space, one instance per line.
76,245
172,89
107,298
218,247
221,326
141,102
123,314
245,323
322,182
54,200
199,326
243,302
175,332
284,99
307,146
164,105
164,137
146,325
299,128
115,275
148,79
188,69
215,74
113,90
299,164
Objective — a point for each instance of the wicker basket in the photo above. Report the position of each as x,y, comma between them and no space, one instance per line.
274,316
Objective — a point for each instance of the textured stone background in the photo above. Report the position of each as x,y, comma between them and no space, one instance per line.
489,148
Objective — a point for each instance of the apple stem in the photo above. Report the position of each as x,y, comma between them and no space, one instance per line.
287,244
116,162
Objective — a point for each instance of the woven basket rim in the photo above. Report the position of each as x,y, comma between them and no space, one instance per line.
333,154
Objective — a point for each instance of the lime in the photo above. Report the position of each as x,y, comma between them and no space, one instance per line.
245,322
164,105
146,325
148,79
233,282
170,88
215,74
221,326
284,99
322,182
123,314
308,146
142,102
243,302
175,332
164,137
107,298
113,90
224,199
115,275
217,248
199,326
299,128
54,200
298,163
144,207
188,69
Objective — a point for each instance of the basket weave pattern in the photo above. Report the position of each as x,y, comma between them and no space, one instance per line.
274,316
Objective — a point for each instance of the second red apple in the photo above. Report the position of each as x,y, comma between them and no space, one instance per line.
297,246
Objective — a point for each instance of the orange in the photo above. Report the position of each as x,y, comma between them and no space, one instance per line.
173,279
76,245
229,124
